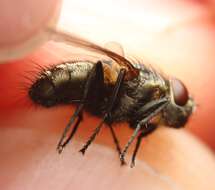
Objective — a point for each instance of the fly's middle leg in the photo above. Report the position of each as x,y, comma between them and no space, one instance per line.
109,109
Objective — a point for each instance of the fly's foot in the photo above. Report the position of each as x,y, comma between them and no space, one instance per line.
123,162
122,159
82,150
132,164
60,148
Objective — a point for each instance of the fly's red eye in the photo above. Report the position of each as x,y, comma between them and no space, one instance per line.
180,92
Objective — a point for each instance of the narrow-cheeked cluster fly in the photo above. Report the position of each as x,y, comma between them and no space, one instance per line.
130,92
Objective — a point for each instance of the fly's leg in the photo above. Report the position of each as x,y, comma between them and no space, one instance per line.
148,129
150,110
61,143
116,142
92,137
95,76
71,134
107,115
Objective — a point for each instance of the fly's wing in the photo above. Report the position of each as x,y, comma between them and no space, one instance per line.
59,35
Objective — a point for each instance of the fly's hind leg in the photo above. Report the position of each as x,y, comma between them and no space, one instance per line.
63,143
60,149
95,81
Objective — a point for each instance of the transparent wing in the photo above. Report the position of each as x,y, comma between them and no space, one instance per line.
59,35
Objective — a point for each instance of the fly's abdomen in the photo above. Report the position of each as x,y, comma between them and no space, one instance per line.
60,84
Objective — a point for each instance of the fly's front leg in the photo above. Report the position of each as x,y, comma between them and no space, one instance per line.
95,81
150,110
146,130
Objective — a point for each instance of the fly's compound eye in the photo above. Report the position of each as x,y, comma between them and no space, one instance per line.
180,92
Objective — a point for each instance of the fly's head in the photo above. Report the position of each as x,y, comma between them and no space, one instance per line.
180,107
42,91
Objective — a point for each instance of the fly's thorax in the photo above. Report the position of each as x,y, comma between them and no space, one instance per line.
153,84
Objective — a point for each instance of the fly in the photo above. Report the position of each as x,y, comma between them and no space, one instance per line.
126,91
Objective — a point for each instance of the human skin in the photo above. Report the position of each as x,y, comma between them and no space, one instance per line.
168,159
22,25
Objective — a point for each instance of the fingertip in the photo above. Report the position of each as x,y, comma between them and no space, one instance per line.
23,23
